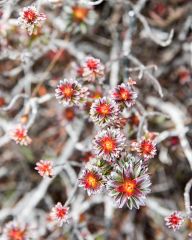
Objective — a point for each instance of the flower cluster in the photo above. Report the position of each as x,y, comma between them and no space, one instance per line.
123,176
31,19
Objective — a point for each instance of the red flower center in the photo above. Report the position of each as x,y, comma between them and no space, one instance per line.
128,187
108,144
61,212
103,109
30,16
124,94
175,220
45,167
91,181
20,134
16,234
92,64
67,90
146,147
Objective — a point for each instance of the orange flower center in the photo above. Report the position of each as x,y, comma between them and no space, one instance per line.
108,144
80,13
16,234
128,187
30,16
91,181
67,90
125,94
103,109
146,147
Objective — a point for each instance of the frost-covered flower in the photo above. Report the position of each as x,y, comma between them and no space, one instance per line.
104,111
70,92
129,184
174,221
60,214
30,18
19,135
108,144
44,168
146,148
78,17
15,231
123,94
91,180
93,70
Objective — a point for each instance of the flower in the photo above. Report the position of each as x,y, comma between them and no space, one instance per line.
44,168
78,17
19,135
93,70
146,148
174,220
60,214
15,231
30,18
104,111
129,184
123,94
91,180
70,92
108,144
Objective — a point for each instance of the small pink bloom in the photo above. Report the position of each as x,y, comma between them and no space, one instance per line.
60,214
146,148
30,18
44,168
93,70
19,135
15,231
174,221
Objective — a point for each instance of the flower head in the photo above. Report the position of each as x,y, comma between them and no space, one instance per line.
78,17
123,94
93,70
19,135
15,231
174,221
30,18
70,92
108,144
146,148
60,214
91,180
129,184
44,168
104,111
